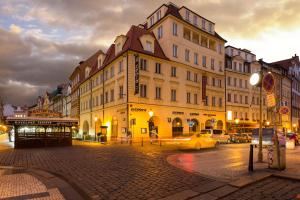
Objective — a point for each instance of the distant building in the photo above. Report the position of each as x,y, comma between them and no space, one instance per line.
1,112
59,100
242,99
291,90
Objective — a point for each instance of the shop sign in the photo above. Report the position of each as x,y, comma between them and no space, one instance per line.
177,113
194,114
138,109
137,74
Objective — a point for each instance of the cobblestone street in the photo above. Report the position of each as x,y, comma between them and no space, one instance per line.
110,172
118,171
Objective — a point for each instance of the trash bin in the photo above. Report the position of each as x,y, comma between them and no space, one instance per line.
273,158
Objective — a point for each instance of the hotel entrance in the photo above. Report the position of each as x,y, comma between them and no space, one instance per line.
177,128
153,126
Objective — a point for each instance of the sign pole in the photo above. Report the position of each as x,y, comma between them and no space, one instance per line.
260,154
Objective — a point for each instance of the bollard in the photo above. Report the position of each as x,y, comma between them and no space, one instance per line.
250,164
142,142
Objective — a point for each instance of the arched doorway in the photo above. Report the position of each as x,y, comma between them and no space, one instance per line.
153,126
194,125
220,125
177,129
208,124
114,129
85,128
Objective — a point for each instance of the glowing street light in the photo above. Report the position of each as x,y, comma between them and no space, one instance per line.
255,79
150,113
267,123
236,120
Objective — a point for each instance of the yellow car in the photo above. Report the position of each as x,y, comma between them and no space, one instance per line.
197,141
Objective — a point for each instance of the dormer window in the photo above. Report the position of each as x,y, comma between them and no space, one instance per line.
187,15
87,72
203,24
147,41
158,15
210,27
148,46
119,42
151,20
195,20
99,63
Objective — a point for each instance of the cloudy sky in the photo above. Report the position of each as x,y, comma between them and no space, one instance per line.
42,41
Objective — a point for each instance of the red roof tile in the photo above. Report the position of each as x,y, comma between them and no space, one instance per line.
287,63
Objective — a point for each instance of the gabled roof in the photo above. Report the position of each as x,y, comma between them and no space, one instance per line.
287,63
132,43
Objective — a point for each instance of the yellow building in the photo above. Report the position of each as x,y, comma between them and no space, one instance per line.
164,76
242,99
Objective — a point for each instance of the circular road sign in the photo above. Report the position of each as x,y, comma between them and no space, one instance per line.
268,82
284,110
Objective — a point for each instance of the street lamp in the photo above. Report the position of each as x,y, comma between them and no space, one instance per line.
256,80
267,123
96,119
150,113
236,120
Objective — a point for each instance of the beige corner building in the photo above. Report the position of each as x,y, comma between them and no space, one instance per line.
242,99
165,76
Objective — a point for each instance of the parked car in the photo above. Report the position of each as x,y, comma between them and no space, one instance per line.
292,136
268,137
219,135
240,138
197,141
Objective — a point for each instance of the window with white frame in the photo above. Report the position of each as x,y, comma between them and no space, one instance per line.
187,55
173,71
173,95
149,46
196,58
157,93
188,97
160,32
175,50
157,68
143,90
174,29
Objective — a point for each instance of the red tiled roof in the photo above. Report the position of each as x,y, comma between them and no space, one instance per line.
132,43
287,62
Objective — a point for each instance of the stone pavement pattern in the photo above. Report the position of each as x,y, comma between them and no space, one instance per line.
267,189
133,172
110,172
25,186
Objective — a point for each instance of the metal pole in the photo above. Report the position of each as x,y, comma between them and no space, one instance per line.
250,164
260,154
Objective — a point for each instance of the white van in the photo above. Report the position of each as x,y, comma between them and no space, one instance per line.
220,135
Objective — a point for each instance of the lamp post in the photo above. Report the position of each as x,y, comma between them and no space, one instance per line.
96,119
256,80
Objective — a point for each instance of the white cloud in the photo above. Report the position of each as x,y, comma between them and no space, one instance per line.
15,29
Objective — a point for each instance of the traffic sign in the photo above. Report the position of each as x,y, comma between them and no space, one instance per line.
284,110
268,82
271,101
